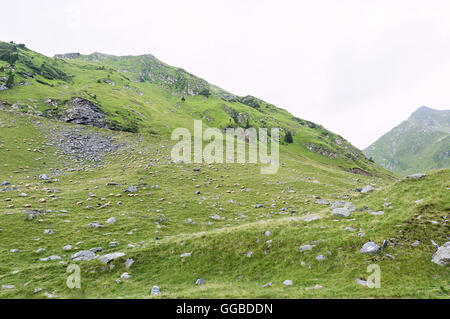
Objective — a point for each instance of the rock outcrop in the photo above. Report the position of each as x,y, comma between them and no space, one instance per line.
84,112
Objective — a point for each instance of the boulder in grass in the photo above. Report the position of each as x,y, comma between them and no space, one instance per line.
442,255
370,248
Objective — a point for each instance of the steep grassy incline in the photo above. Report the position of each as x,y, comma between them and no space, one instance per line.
142,94
417,145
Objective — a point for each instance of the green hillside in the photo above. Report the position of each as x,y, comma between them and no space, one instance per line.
142,94
70,192
418,144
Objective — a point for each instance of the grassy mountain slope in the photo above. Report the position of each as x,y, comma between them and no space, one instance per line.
241,228
143,94
419,144
165,219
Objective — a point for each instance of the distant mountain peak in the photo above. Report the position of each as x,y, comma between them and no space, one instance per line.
418,144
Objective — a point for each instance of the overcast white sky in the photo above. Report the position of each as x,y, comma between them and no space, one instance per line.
358,67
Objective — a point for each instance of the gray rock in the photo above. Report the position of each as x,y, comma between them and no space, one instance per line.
128,263
377,213
367,189
349,206
14,251
96,249
111,220
49,231
442,255
6,183
267,233
112,184
95,225
132,189
415,243
434,243
125,276
305,248
155,290
44,177
215,217
370,248
67,247
342,212
269,284
343,204
50,258
84,112
186,255
108,257
287,282
6,287
361,282
83,255
416,176
320,257
321,201
200,281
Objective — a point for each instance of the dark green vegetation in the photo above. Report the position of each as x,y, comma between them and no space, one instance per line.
416,145
219,213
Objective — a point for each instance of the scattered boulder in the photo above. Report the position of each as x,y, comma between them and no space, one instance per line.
125,276
111,220
416,176
132,189
370,248
50,258
342,212
84,255
95,225
305,248
200,281
287,282
442,255
128,263
415,243
361,282
5,287
320,257
367,189
155,290
108,257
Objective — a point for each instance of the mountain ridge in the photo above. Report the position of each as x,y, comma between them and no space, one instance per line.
420,143
142,93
